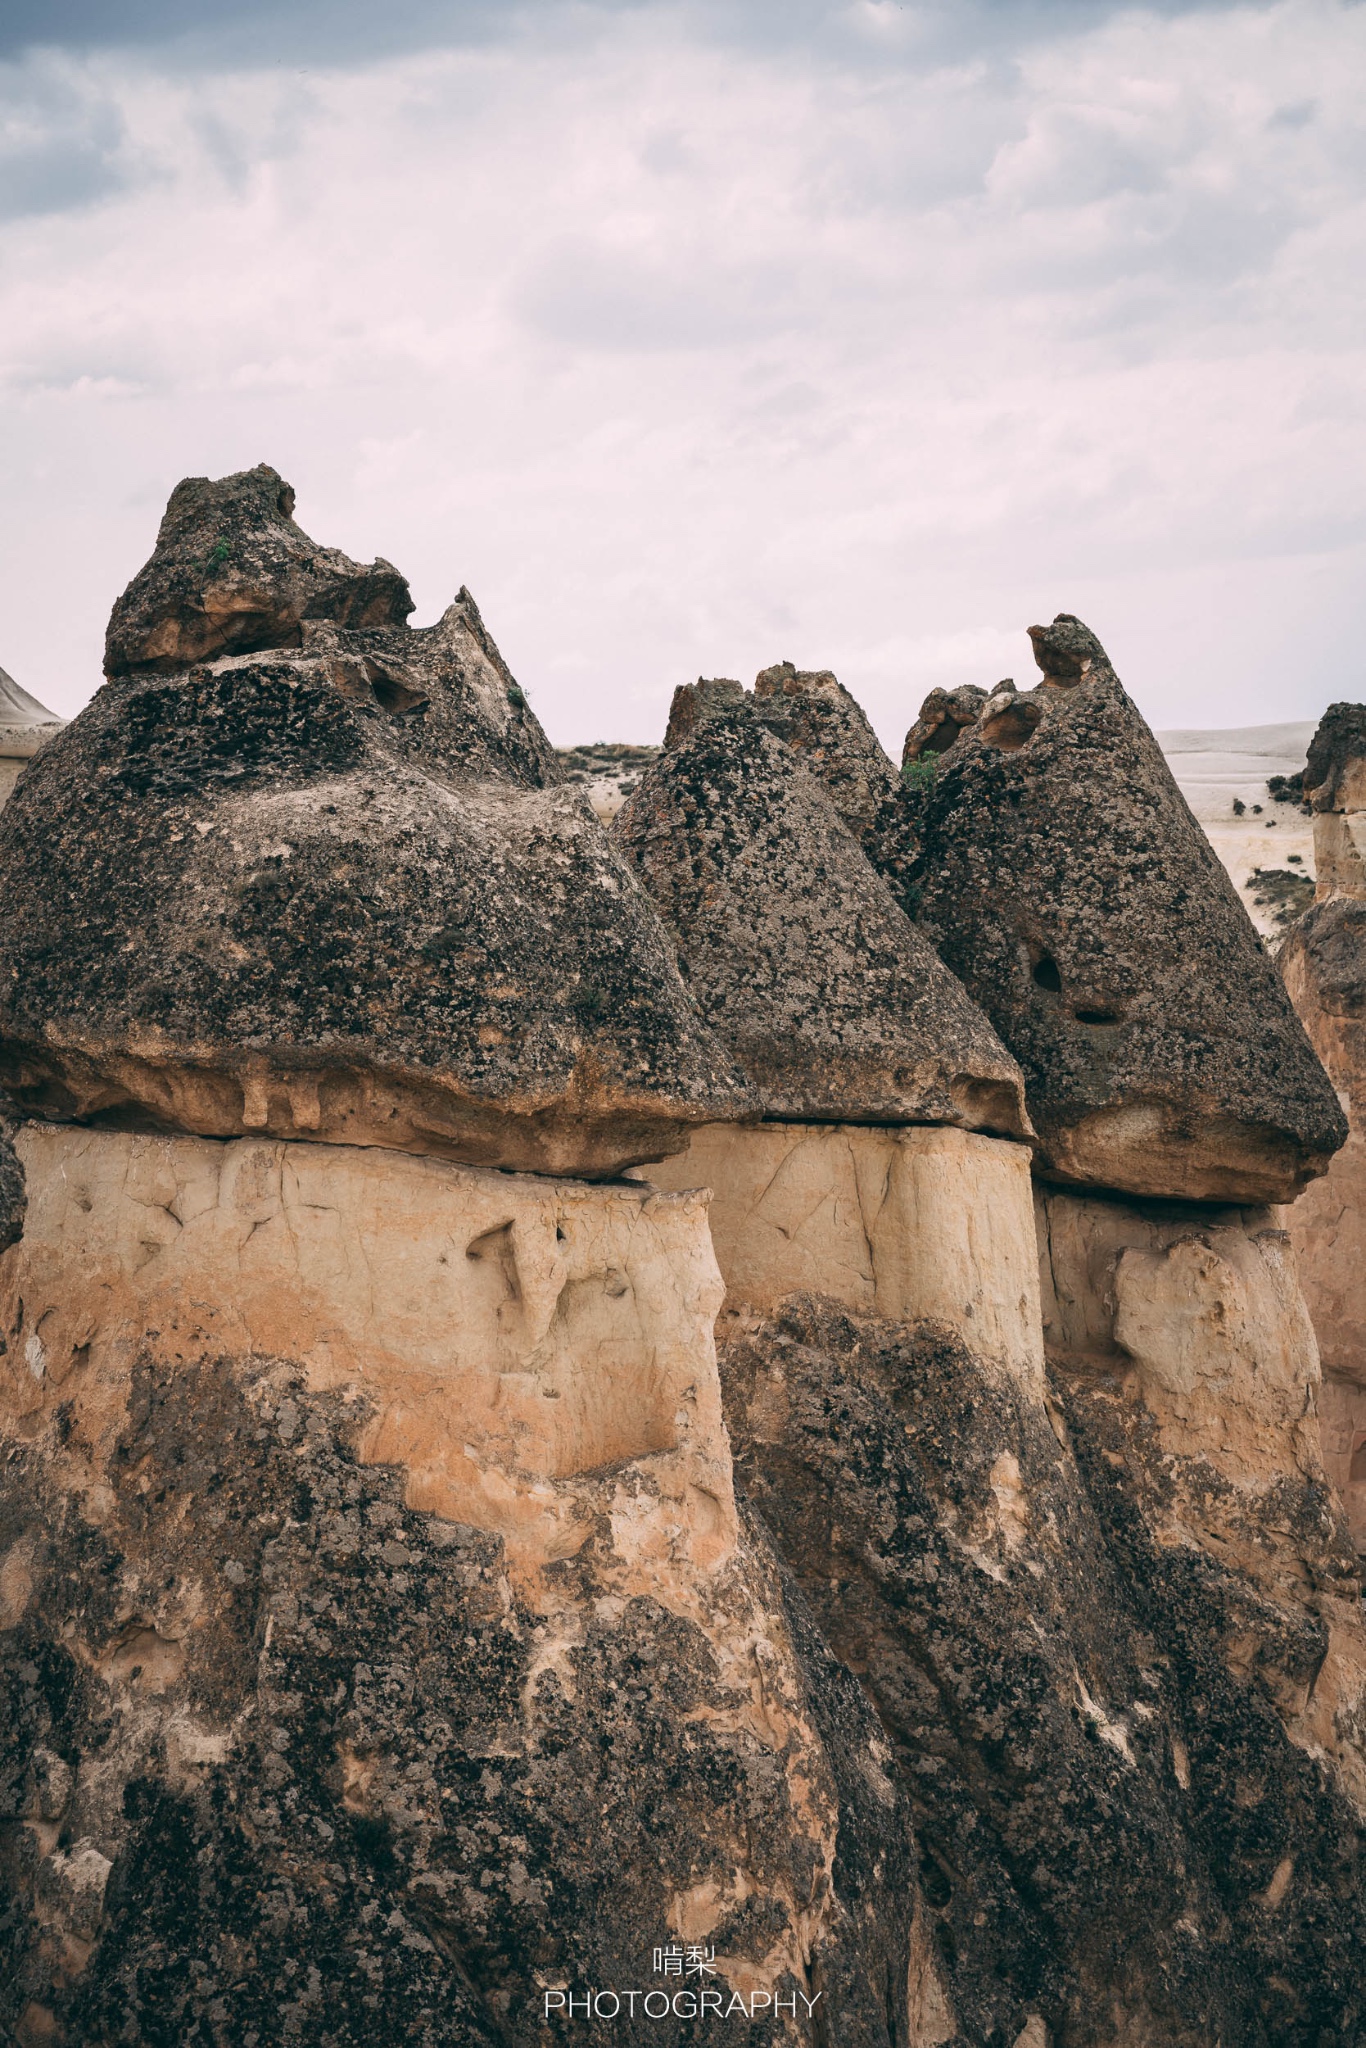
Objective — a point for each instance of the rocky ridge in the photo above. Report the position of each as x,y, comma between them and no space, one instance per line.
901,1589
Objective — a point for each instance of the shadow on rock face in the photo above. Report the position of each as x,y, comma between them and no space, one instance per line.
1117,1834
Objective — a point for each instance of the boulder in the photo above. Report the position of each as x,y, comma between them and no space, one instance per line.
1065,881
334,890
794,949
232,573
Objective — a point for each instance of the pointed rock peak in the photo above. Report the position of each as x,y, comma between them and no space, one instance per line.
793,947
17,708
694,703
1065,881
812,711
233,574
1069,653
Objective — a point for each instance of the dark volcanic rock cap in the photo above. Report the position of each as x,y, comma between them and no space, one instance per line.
333,889
815,715
793,948
1066,881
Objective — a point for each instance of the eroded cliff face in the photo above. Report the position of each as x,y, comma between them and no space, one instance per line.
1110,1622
1323,963
383,1646
302,870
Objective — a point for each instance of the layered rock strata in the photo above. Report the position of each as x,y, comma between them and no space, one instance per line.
1323,962
793,949
1052,1486
331,888
410,1620
1065,881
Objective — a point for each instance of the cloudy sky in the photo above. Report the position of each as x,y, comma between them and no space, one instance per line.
698,336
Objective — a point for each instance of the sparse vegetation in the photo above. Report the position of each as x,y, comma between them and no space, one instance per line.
919,774
1286,894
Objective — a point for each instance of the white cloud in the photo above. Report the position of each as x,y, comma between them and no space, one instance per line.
691,356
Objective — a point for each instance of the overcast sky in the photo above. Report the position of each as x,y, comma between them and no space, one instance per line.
694,338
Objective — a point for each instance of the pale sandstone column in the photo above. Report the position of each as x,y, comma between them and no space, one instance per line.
917,1223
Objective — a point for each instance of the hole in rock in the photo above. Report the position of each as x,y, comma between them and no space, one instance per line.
496,1246
397,698
1098,1017
141,1656
1046,975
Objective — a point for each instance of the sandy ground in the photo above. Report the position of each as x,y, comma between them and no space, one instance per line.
1215,767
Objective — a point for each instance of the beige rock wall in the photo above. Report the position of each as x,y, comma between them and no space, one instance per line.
1342,1426
1327,1223
513,1337
1195,1327
536,1358
911,1223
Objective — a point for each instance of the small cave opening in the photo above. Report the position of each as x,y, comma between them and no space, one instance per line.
1046,975
396,698
1098,1016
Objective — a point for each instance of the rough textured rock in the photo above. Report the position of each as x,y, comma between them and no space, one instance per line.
304,1747
13,1192
815,715
1066,882
943,715
794,950
1121,1675
905,1224
233,573
1342,1433
1323,962
338,892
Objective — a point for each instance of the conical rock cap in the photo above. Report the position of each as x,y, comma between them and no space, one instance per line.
333,889
793,948
1065,880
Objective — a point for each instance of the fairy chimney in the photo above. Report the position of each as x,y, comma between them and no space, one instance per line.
1066,882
